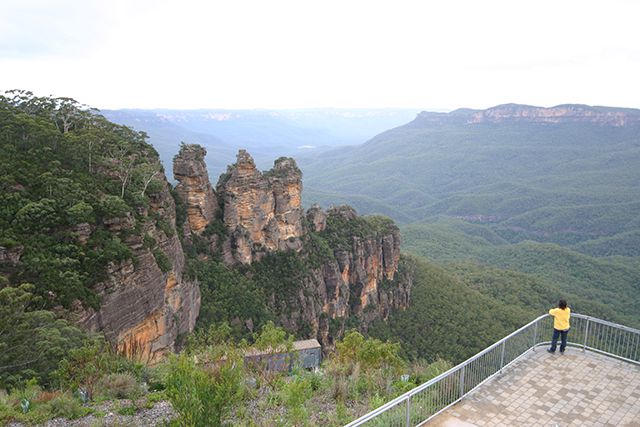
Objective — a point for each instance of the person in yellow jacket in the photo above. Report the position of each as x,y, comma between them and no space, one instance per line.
560,326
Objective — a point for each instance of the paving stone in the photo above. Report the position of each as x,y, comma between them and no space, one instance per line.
576,389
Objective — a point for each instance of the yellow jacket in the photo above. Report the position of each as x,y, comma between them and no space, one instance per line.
560,318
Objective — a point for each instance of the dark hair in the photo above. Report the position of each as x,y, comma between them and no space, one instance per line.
562,304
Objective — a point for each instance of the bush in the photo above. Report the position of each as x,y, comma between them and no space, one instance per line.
113,207
6,411
118,386
83,367
80,212
128,410
65,406
294,395
46,396
362,367
203,397
161,259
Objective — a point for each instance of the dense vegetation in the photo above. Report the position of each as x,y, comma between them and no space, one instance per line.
212,384
449,318
65,169
247,297
579,176
536,274
550,209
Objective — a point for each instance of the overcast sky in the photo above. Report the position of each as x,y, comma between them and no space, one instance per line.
323,53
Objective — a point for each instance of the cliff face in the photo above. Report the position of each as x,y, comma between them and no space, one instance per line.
144,308
356,276
569,113
194,186
360,277
262,212
558,114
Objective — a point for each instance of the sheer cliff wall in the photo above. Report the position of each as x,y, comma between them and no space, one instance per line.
356,276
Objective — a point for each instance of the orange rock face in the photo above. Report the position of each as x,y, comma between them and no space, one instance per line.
194,187
143,309
138,342
262,211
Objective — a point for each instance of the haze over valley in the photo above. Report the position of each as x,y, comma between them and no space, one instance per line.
267,134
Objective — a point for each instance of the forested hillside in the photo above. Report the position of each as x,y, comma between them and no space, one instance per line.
526,192
530,273
568,181
66,172
92,285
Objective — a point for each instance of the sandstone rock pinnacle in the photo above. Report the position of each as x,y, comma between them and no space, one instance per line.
194,188
262,211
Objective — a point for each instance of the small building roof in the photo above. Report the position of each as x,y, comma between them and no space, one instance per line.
297,346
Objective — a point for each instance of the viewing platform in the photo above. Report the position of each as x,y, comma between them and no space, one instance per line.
516,382
542,389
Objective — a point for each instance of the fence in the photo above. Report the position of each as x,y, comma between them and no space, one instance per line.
429,399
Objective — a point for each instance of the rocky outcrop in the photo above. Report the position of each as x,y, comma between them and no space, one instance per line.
262,212
316,218
194,186
558,114
569,113
10,256
362,279
351,264
145,305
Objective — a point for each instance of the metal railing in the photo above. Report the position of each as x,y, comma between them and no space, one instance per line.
424,402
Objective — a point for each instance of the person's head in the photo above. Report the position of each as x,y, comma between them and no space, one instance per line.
562,304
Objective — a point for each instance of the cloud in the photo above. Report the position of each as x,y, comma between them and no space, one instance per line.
41,28
293,53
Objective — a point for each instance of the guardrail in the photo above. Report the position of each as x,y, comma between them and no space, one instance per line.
424,402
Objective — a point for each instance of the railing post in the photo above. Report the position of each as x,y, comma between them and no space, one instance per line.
408,414
462,381
586,335
502,356
535,336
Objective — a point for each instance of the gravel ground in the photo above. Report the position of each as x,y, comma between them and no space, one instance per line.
160,413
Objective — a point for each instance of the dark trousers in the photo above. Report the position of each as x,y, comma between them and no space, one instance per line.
563,342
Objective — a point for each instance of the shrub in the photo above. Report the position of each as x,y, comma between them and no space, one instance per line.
46,396
161,259
128,410
203,397
6,411
118,386
80,212
85,366
65,406
166,227
113,207
294,395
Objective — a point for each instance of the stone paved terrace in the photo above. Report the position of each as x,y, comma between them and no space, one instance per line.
542,389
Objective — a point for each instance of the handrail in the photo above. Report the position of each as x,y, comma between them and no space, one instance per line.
434,396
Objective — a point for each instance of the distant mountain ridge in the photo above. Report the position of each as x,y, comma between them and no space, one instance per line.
564,174
266,133
566,113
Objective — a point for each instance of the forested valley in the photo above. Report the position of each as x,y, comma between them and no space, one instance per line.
490,240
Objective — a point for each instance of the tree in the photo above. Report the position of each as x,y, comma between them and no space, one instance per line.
147,172
83,367
32,340
122,162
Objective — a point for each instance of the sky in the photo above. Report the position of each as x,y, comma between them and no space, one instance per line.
429,54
